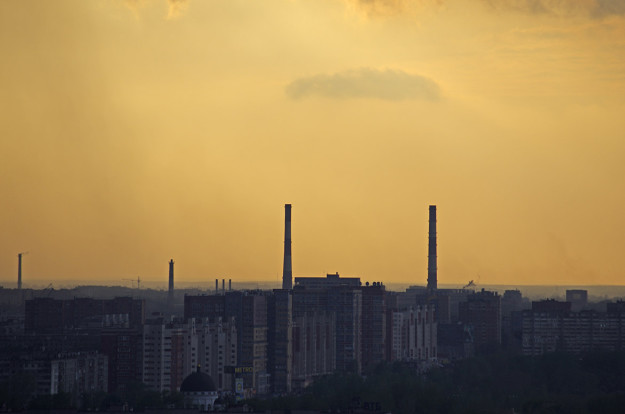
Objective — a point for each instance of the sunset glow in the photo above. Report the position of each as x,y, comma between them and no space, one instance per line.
133,132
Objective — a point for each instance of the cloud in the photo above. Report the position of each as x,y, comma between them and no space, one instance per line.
593,8
589,8
609,7
390,7
383,7
176,7
390,85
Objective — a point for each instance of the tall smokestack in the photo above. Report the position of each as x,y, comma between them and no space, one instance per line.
170,295
19,271
216,286
287,269
223,285
432,273
229,284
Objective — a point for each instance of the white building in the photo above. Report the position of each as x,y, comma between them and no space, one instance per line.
414,334
172,351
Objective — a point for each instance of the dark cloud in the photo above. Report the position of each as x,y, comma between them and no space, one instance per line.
609,7
594,8
391,85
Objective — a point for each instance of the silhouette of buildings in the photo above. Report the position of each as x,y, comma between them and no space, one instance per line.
280,324
249,310
343,298
482,311
553,326
51,315
578,299
314,347
414,334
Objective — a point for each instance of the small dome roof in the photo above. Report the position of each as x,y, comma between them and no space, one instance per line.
198,382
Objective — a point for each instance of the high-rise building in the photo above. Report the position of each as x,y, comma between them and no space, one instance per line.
249,310
124,349
173,350
482,311
280,352
373,324
217,351
414,334
313,346
578,299
552,326
343,298
47,315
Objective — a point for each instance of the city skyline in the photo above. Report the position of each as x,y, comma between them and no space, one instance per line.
135,132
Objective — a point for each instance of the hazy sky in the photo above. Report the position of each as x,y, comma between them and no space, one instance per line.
132,132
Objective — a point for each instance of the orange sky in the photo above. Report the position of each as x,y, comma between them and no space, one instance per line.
132,132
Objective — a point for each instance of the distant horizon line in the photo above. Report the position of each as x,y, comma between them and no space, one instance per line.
81,282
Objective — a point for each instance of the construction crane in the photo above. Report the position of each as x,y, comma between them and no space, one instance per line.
470,284
138,280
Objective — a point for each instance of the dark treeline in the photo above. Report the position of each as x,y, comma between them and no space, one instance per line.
499,383
16,395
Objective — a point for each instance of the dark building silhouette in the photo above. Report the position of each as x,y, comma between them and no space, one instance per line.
47,315
454,340
448,303
432,265
373,335
124,348
330,281
280,356
578,299
287,269
343,298
511,320
552,326
482,311
249,309
313,347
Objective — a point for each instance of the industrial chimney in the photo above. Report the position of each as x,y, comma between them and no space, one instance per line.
432,273
287,269
19,271
170,295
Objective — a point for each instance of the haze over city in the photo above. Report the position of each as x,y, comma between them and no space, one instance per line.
133,132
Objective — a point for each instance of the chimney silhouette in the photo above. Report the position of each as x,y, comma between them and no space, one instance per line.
19,271
287,269
216,286
170,295
432,272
